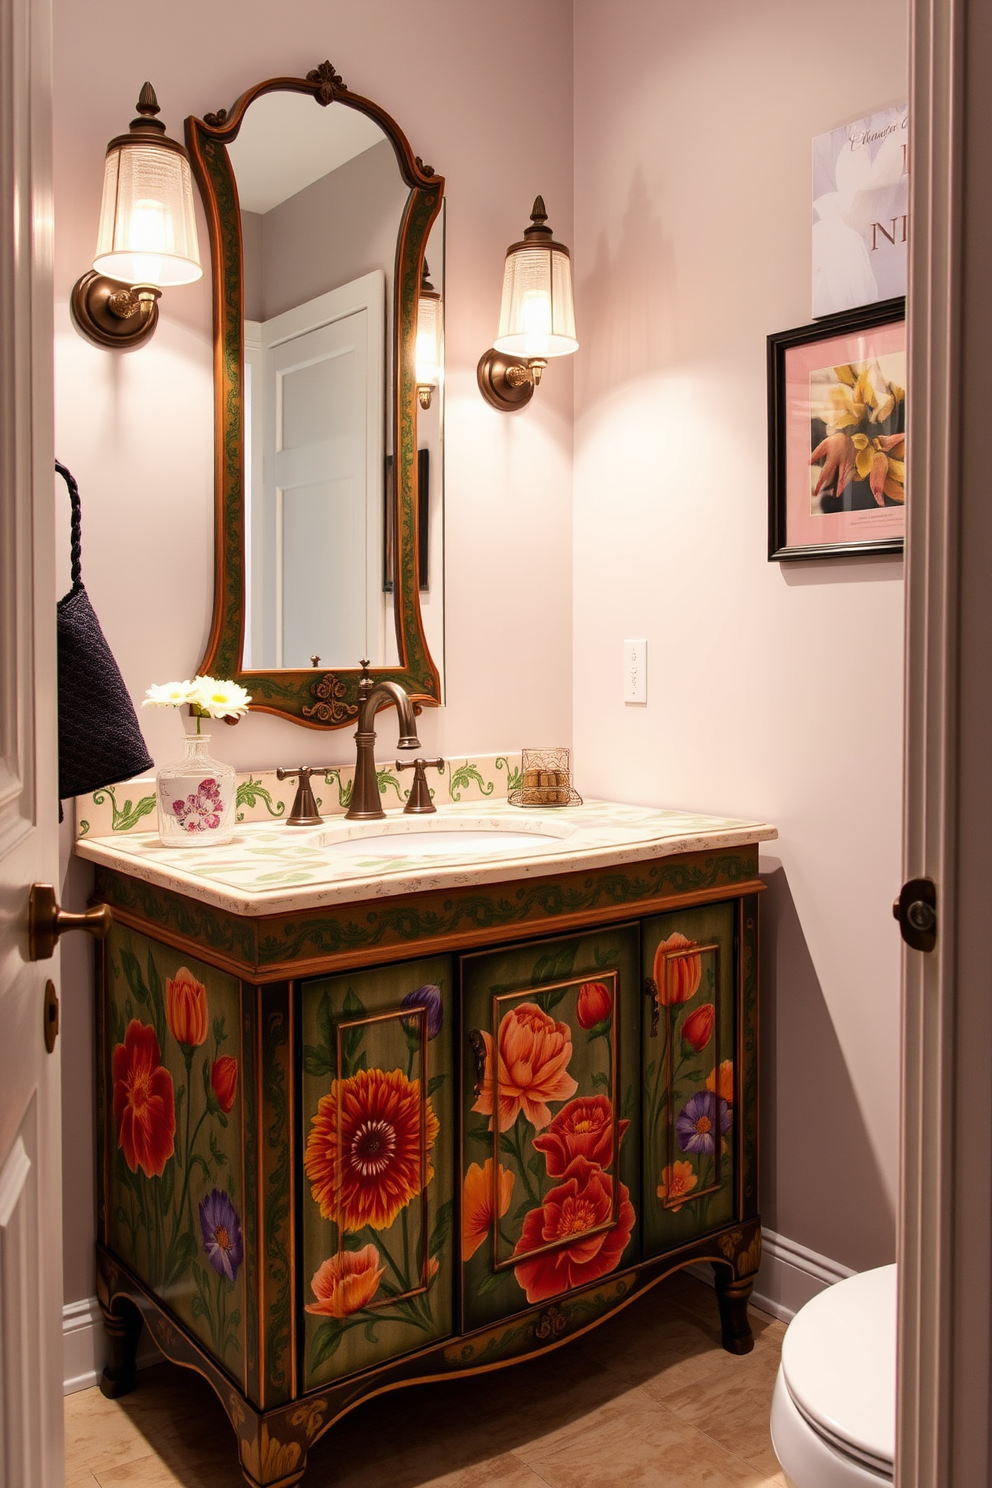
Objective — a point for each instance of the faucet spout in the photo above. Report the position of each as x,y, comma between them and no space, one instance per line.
365,802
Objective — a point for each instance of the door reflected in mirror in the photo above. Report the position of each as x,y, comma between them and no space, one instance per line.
322,203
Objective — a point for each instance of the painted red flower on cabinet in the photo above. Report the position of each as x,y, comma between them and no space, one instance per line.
583,1128
532,1067
224,1080
595,1003
570,1213
697,1028
363,1155
144,1101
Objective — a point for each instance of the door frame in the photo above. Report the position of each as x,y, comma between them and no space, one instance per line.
945,1230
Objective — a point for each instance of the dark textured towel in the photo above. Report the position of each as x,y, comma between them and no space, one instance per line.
100,741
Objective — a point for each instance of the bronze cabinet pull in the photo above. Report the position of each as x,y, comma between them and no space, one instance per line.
47,921
478,1046
651,990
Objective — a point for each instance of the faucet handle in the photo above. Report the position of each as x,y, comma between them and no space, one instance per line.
304,811
420,802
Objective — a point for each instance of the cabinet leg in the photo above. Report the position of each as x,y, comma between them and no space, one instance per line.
288,1480
123,1334
732,1294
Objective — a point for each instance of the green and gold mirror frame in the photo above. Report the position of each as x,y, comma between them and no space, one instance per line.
314,697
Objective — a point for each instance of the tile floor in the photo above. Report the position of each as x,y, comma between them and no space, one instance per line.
647,1400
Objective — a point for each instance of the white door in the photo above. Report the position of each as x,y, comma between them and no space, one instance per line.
316,500
30,1206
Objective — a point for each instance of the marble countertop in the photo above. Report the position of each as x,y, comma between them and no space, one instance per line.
269,868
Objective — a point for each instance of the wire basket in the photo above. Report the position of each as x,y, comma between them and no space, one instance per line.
546,780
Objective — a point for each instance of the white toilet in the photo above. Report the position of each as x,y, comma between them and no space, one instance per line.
834,1408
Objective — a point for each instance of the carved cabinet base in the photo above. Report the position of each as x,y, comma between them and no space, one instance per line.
380,1158
273,1445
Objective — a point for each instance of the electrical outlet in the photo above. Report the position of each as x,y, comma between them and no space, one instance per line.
635,671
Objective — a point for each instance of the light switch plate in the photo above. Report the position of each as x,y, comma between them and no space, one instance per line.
635,671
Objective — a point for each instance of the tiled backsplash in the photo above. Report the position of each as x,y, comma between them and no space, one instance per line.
131,807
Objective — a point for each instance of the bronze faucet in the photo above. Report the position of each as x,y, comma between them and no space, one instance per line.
365,802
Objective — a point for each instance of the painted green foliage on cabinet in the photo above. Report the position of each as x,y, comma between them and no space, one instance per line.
549,1161
175,1181
690,1081
378,1205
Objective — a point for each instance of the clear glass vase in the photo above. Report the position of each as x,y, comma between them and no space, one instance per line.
196,798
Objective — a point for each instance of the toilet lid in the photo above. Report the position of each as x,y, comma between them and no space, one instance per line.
839,1362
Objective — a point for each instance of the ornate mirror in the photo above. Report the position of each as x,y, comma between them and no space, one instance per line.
327,462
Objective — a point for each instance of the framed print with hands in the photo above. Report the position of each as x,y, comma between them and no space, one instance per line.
837,435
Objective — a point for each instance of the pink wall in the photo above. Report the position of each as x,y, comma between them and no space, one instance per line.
773,691
484,93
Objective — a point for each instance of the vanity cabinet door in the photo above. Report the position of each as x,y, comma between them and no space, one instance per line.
172,1107
549,1162
378,1165
691,1084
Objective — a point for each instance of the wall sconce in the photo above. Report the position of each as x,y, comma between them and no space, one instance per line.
147,236
536,317
428,339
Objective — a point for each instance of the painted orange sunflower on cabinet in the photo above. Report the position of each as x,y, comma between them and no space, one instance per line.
363,1155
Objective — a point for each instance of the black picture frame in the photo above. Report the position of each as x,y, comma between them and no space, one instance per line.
782,422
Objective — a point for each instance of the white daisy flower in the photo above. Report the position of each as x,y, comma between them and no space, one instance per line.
216,698
168,695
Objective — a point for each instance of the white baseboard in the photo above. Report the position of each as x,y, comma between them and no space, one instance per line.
84,1346
790,1275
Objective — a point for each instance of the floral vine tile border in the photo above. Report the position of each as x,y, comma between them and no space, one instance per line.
130,805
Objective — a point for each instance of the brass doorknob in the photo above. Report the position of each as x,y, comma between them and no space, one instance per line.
46,922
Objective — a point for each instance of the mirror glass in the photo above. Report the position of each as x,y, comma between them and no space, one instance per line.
322,200
330,527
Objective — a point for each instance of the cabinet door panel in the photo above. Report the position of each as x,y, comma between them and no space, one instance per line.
174,1185
378,1160
549,1156
690,1086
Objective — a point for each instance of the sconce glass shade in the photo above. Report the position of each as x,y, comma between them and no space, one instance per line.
147,229
537,316
428,334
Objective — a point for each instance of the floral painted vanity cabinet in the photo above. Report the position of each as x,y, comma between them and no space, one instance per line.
408,1137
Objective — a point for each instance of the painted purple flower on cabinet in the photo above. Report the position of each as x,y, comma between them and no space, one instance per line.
699,1120
429,998
201,811
221,1233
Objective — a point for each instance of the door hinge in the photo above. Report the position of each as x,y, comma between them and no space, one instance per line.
916,911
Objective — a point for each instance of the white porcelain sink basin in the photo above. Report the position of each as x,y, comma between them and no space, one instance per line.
438,837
